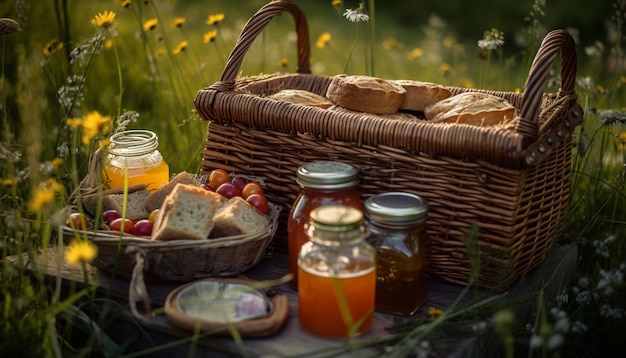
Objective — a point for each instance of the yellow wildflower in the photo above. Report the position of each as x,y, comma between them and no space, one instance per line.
336,2
448,41
52,46
215,19
622,137
150,24
416,53
391,43
210,36
518,90
283,62
622,80
44,195
94,124
445,68
323,40
434,313
108,44
126,3
467,83
105,142
104,19
7,182
74,122
56,162
600,88
180,47
80,251
179,22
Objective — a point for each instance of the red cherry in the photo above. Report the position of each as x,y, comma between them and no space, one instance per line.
239,182
109,216
208,187
258,201
143,228
116,225
228,190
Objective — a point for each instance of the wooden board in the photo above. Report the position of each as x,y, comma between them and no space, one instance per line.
292,340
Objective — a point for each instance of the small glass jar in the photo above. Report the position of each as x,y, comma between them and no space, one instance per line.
321,183
337,274
398,233
135,151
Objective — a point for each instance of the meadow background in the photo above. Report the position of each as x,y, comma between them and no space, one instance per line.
143,68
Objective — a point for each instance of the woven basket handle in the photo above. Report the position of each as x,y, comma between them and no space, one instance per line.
555,41
253,28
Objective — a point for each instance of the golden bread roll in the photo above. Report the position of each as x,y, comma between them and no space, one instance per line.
421,94
476,108
366,94
302,97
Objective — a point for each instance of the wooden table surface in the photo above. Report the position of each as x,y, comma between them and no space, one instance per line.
159,338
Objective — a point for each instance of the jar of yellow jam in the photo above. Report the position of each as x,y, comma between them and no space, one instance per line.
134,154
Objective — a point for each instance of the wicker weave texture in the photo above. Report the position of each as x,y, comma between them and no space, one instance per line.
510,182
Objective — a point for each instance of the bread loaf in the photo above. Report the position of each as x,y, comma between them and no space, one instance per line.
187,213
90,201
302,97
421,94
476,108
237,217
157,197
366,94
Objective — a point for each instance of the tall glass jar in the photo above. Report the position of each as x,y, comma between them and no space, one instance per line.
398,233
337,274
321,183
135,153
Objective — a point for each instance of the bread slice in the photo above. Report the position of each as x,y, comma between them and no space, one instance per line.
366,94
302,97
237,217
476,108
187,214
157,197
421,94
135,208
90,201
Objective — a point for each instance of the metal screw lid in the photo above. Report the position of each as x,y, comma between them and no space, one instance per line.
327,175
133,142
396,207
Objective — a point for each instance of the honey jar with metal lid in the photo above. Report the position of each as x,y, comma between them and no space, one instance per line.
321,183
398,233
336,274
134,154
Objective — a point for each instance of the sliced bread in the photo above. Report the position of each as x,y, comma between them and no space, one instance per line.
135,208
90,201
237,217
157,197
187,214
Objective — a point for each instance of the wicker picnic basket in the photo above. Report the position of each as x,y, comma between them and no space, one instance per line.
141,259
512,183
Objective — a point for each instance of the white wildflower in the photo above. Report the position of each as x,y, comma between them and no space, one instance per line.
583,297
555,342
579,327
64,150
492,40
609,311
562,298
357,15
536,341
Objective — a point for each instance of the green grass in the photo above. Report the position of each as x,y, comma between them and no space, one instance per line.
140,75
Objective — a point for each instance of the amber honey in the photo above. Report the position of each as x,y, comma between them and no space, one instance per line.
153,177
134,155
320,301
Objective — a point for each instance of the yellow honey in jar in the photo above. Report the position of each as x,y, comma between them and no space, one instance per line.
134,153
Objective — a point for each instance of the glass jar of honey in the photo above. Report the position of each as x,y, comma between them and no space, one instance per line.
337,274
321,183
397,224
134,154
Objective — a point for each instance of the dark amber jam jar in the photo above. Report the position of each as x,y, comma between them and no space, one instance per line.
398,233
321,183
